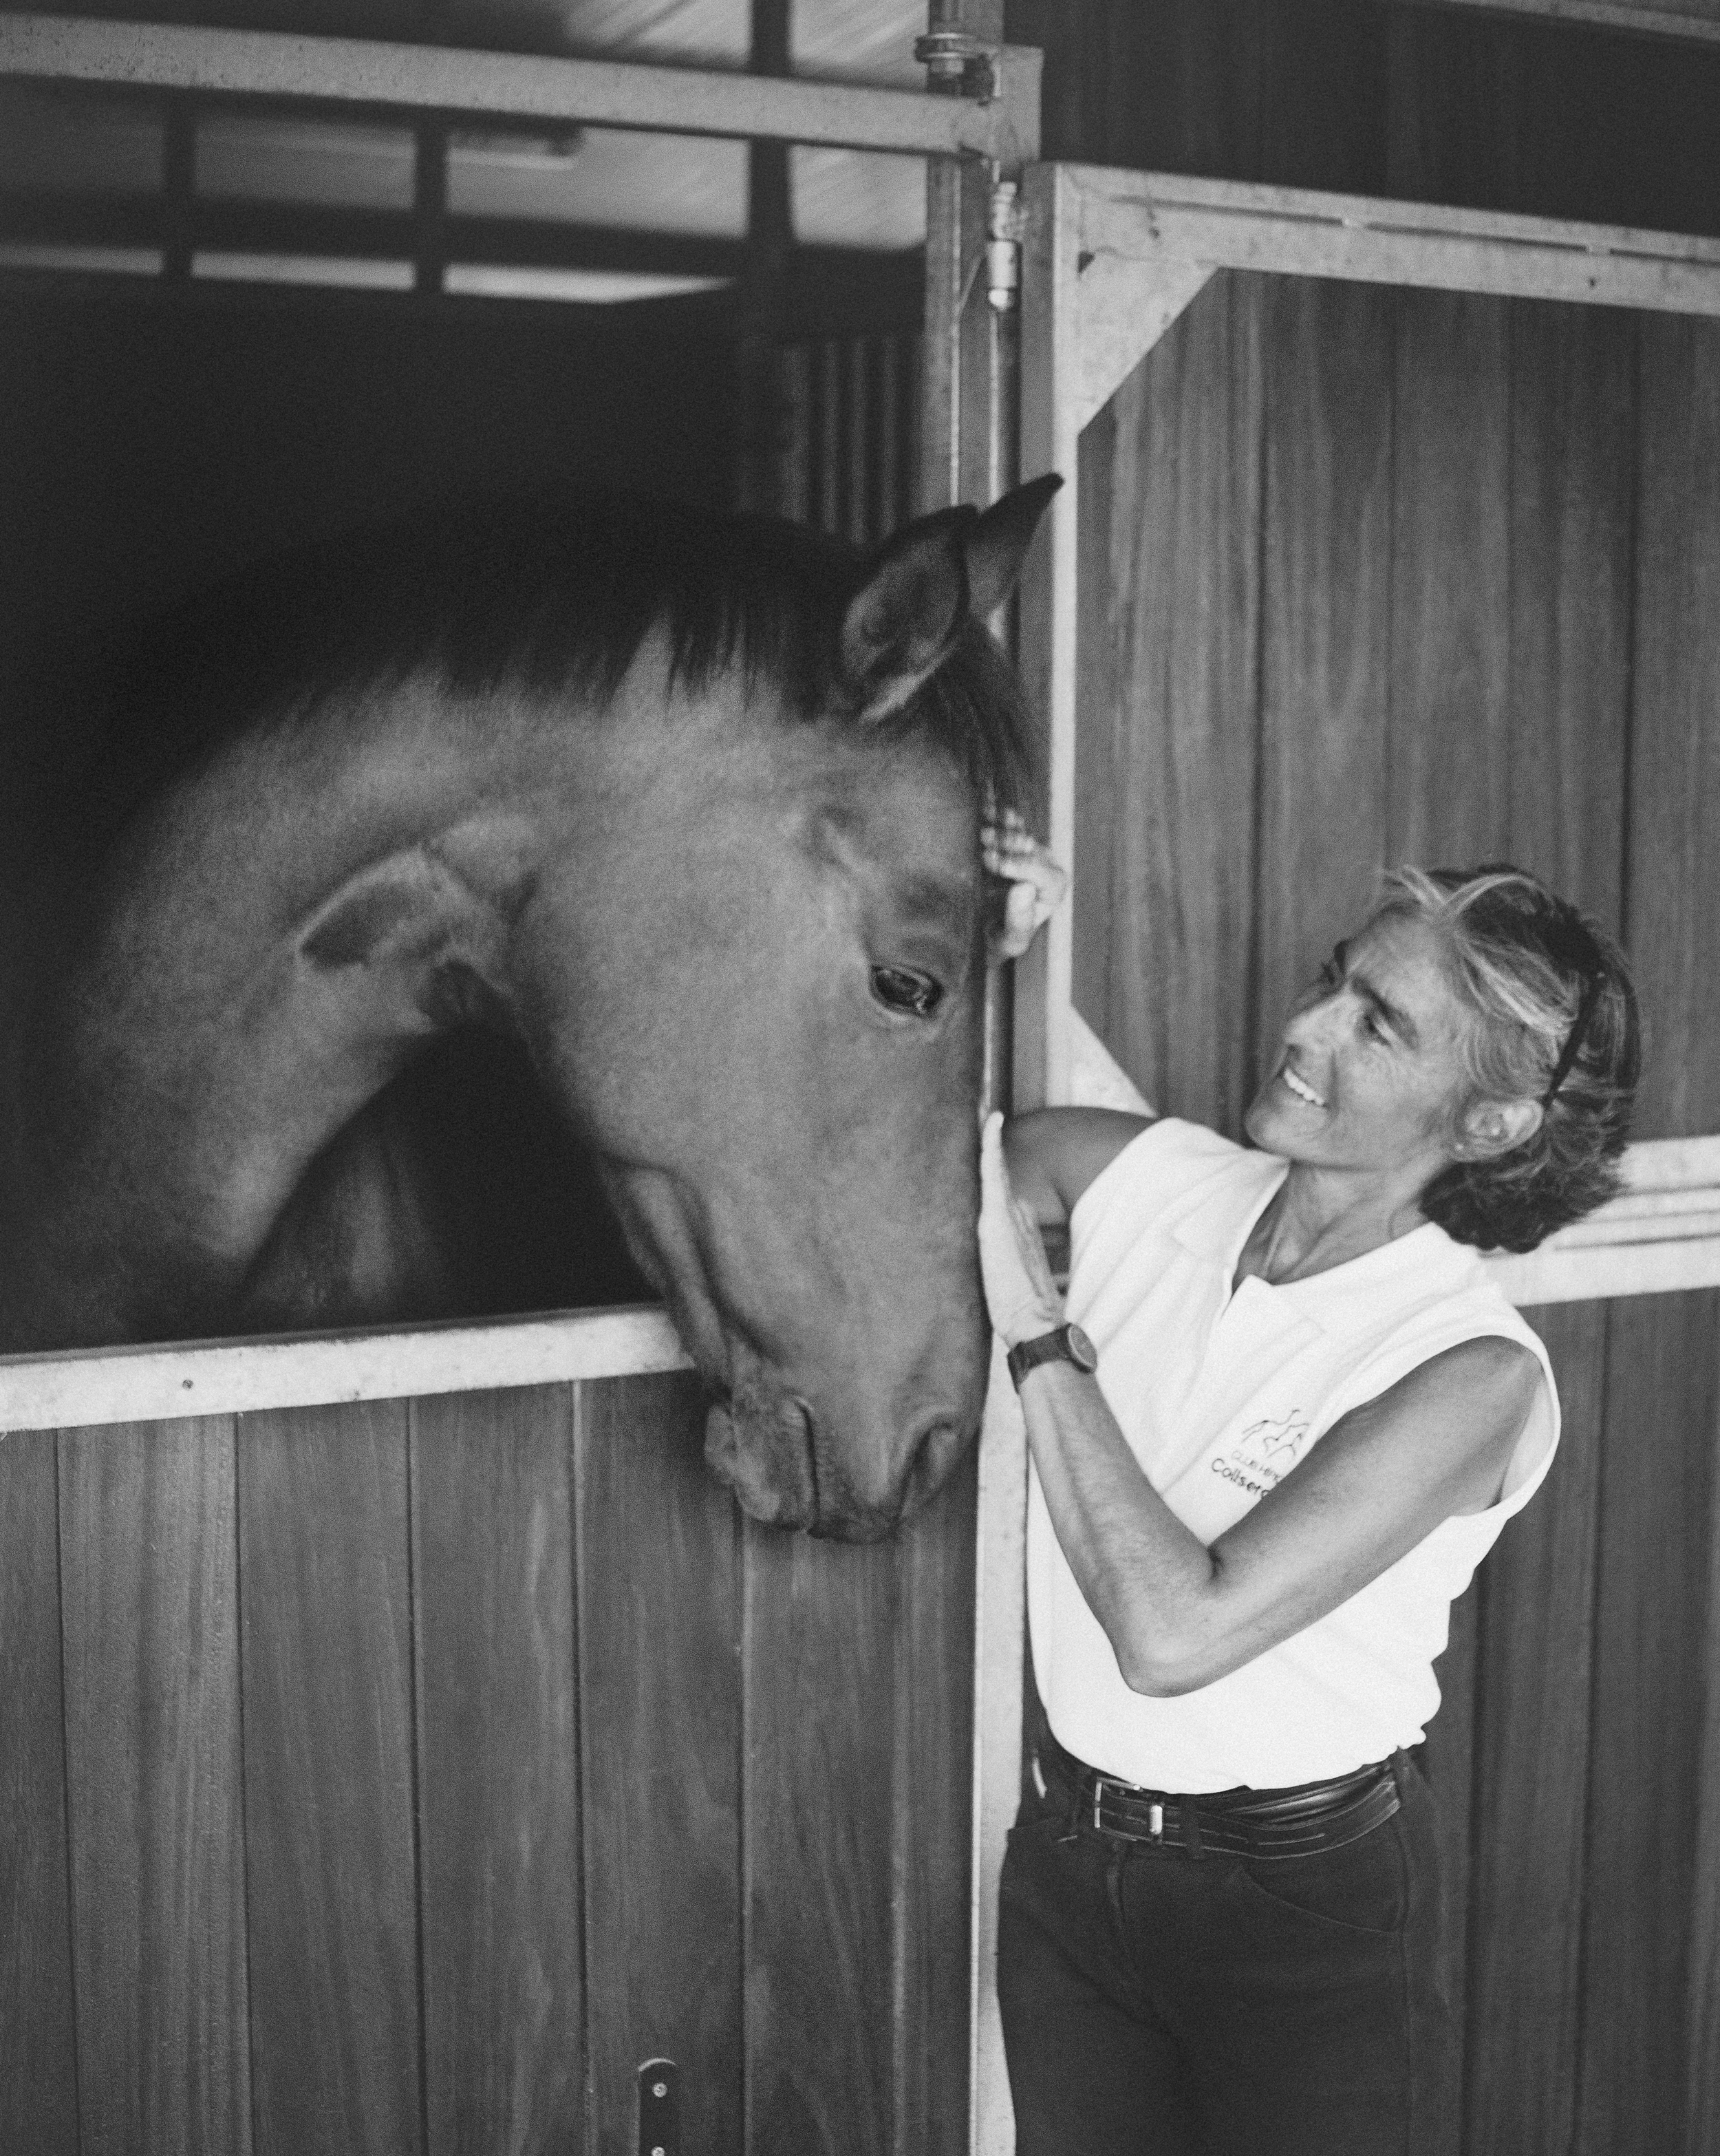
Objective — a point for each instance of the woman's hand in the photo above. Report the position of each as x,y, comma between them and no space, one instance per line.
1036,883
1020,1292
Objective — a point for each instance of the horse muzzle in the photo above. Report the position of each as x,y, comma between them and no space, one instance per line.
770,1455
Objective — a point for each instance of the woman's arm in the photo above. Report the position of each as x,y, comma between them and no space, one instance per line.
1054,1154
1179,1614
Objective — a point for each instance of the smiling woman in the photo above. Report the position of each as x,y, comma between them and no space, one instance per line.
1280,1420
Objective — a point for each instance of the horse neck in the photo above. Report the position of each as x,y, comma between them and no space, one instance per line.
187,1064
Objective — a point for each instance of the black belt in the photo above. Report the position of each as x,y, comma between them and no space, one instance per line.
1254,1822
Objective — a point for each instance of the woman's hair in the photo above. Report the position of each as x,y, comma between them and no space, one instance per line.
1553,1018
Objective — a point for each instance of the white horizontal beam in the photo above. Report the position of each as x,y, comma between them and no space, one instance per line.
1659,1235
237,1376
449,80
1161,218
1561,1273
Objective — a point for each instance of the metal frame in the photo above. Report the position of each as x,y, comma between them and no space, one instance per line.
1112,258
1001,126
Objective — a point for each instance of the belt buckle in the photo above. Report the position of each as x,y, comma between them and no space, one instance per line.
1155,1813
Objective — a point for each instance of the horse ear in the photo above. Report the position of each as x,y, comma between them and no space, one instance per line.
932,576
904,618
997,542
402,906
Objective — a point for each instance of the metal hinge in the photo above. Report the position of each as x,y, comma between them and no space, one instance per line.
1006,224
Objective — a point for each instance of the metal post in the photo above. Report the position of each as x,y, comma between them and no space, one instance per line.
971,453
770,242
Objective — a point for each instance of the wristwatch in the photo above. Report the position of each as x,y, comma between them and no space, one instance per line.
1067,1344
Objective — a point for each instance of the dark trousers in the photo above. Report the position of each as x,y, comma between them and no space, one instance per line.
1157,2004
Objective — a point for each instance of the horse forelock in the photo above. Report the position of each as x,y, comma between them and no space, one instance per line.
528,596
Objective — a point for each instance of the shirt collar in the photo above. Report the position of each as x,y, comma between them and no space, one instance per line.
1215,1234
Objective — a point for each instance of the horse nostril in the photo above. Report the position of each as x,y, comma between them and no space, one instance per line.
934,1457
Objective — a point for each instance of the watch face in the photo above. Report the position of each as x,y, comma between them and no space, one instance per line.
1082,1352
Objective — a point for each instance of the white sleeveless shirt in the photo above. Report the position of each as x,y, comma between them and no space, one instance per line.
1219,1394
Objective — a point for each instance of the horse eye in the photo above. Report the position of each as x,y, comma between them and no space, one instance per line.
900,988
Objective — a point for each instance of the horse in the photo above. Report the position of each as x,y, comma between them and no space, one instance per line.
458,887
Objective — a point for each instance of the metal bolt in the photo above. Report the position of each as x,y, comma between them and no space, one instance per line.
658,2150
659,2088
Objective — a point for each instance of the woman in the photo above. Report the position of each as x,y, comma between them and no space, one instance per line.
1280,1419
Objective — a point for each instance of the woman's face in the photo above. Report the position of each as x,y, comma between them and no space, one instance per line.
1370,1074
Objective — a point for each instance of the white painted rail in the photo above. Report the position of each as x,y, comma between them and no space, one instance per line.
234,1377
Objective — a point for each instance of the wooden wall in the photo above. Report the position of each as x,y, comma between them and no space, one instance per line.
1422,103
1368,577
844,413
397,1777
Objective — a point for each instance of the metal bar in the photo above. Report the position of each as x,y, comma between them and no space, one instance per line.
233,1377
357,71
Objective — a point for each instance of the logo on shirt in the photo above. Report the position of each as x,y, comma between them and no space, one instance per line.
1264,1454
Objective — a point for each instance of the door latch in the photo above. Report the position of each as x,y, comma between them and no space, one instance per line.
659,2108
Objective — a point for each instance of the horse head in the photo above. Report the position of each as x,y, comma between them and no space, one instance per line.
787,1123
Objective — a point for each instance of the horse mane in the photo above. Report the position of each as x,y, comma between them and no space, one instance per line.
530,596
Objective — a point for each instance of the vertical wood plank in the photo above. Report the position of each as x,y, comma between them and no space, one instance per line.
931,1821
152,1757
499,1874
1663,1390
1650,1812
1702,2110
1536,1623
1185,574
326,1599
659,1701
1326,619
1673,903
1573,474
818,1793
39,2089
1447,799
1448,731
1447,1759
1572,536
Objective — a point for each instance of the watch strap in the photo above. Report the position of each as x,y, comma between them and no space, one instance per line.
1054,1347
